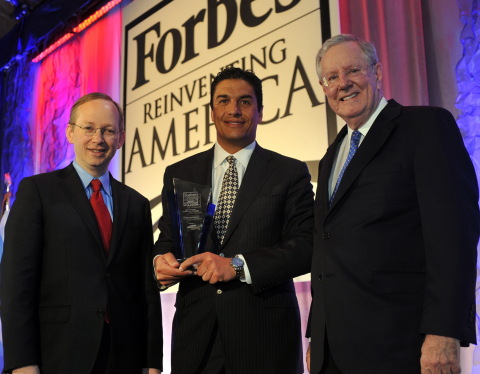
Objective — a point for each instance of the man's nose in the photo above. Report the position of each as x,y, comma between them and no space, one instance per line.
234,108
98,136
344,80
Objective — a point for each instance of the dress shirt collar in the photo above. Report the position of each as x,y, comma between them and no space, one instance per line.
242,156
86,178
366,127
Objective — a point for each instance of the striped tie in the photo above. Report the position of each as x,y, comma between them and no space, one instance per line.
354,141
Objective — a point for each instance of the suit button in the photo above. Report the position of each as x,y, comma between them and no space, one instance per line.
219,292
326,236
107,275
320,277
100,313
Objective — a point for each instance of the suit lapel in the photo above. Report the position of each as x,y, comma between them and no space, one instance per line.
201,170
121,205
373,142
325,169
75,192
255,176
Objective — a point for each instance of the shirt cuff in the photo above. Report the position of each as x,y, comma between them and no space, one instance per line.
153,264
248,278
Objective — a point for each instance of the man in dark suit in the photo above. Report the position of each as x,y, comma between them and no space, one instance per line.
73,300
237,313
394,262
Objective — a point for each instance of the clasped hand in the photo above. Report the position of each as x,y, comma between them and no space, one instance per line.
210,266
440,355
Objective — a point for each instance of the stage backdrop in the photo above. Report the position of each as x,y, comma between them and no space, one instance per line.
29,116
173,49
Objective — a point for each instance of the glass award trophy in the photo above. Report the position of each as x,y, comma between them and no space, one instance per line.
191,214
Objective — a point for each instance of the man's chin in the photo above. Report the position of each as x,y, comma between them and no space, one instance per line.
99,164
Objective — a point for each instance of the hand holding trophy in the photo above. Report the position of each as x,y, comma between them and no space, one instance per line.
191,213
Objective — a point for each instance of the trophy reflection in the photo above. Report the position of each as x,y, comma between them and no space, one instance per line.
191,214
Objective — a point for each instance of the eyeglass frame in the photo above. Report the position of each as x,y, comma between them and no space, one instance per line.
346,73
106,132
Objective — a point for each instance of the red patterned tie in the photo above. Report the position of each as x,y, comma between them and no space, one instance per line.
101,212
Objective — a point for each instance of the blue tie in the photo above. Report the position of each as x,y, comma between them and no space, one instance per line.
356,135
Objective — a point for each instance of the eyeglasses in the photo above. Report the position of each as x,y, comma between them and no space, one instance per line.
333,80
90,131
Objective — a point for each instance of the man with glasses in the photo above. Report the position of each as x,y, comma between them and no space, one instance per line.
77,294
397,225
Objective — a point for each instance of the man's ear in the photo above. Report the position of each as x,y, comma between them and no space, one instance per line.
69,133
121,139
379,74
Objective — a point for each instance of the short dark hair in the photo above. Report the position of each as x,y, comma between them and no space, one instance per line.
237,73
96,96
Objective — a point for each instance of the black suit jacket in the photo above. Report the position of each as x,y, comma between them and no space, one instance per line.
56,279
395,253
271,225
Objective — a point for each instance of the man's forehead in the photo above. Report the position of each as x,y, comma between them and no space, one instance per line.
234,88
238,95
343,55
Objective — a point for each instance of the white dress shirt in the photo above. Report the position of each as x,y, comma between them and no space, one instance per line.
344,148
219,167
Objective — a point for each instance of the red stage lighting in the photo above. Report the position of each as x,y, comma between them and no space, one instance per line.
79,28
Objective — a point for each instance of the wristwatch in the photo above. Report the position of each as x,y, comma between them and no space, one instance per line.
237,264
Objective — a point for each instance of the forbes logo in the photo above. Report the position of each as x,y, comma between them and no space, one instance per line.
182,40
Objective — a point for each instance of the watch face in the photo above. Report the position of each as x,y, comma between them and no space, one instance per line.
237,262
